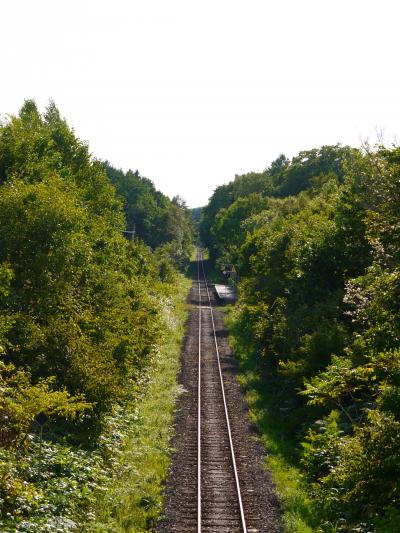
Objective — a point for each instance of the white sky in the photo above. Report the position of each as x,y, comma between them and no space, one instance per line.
192,93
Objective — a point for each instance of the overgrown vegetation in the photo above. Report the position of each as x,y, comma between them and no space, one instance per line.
133,500
315,242
163,224
82,315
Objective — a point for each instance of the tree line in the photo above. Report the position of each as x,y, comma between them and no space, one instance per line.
315,241
81,311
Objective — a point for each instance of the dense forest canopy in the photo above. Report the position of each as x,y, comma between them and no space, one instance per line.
81,308
281,179
315,242
196,215
151,215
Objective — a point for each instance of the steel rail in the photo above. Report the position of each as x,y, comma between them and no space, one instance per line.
243,521
199,406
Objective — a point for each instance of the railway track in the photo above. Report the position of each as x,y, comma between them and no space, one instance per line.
216,483
219,505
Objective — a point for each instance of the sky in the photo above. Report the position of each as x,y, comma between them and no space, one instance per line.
193,93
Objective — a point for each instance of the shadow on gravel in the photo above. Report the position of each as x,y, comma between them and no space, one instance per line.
221,334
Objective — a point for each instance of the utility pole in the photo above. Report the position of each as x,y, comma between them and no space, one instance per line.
132,233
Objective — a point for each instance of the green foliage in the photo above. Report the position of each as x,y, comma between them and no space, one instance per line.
222,198
309,168
153,217
81,313
228,229
50,487
133,499
21,402
74,296
318,259
284,178
196,216
321,447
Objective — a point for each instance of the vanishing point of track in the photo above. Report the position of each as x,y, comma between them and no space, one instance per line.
231,502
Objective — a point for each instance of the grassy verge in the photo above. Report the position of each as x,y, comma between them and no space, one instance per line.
133,500
299,513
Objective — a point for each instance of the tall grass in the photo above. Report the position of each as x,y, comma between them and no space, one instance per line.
133,500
